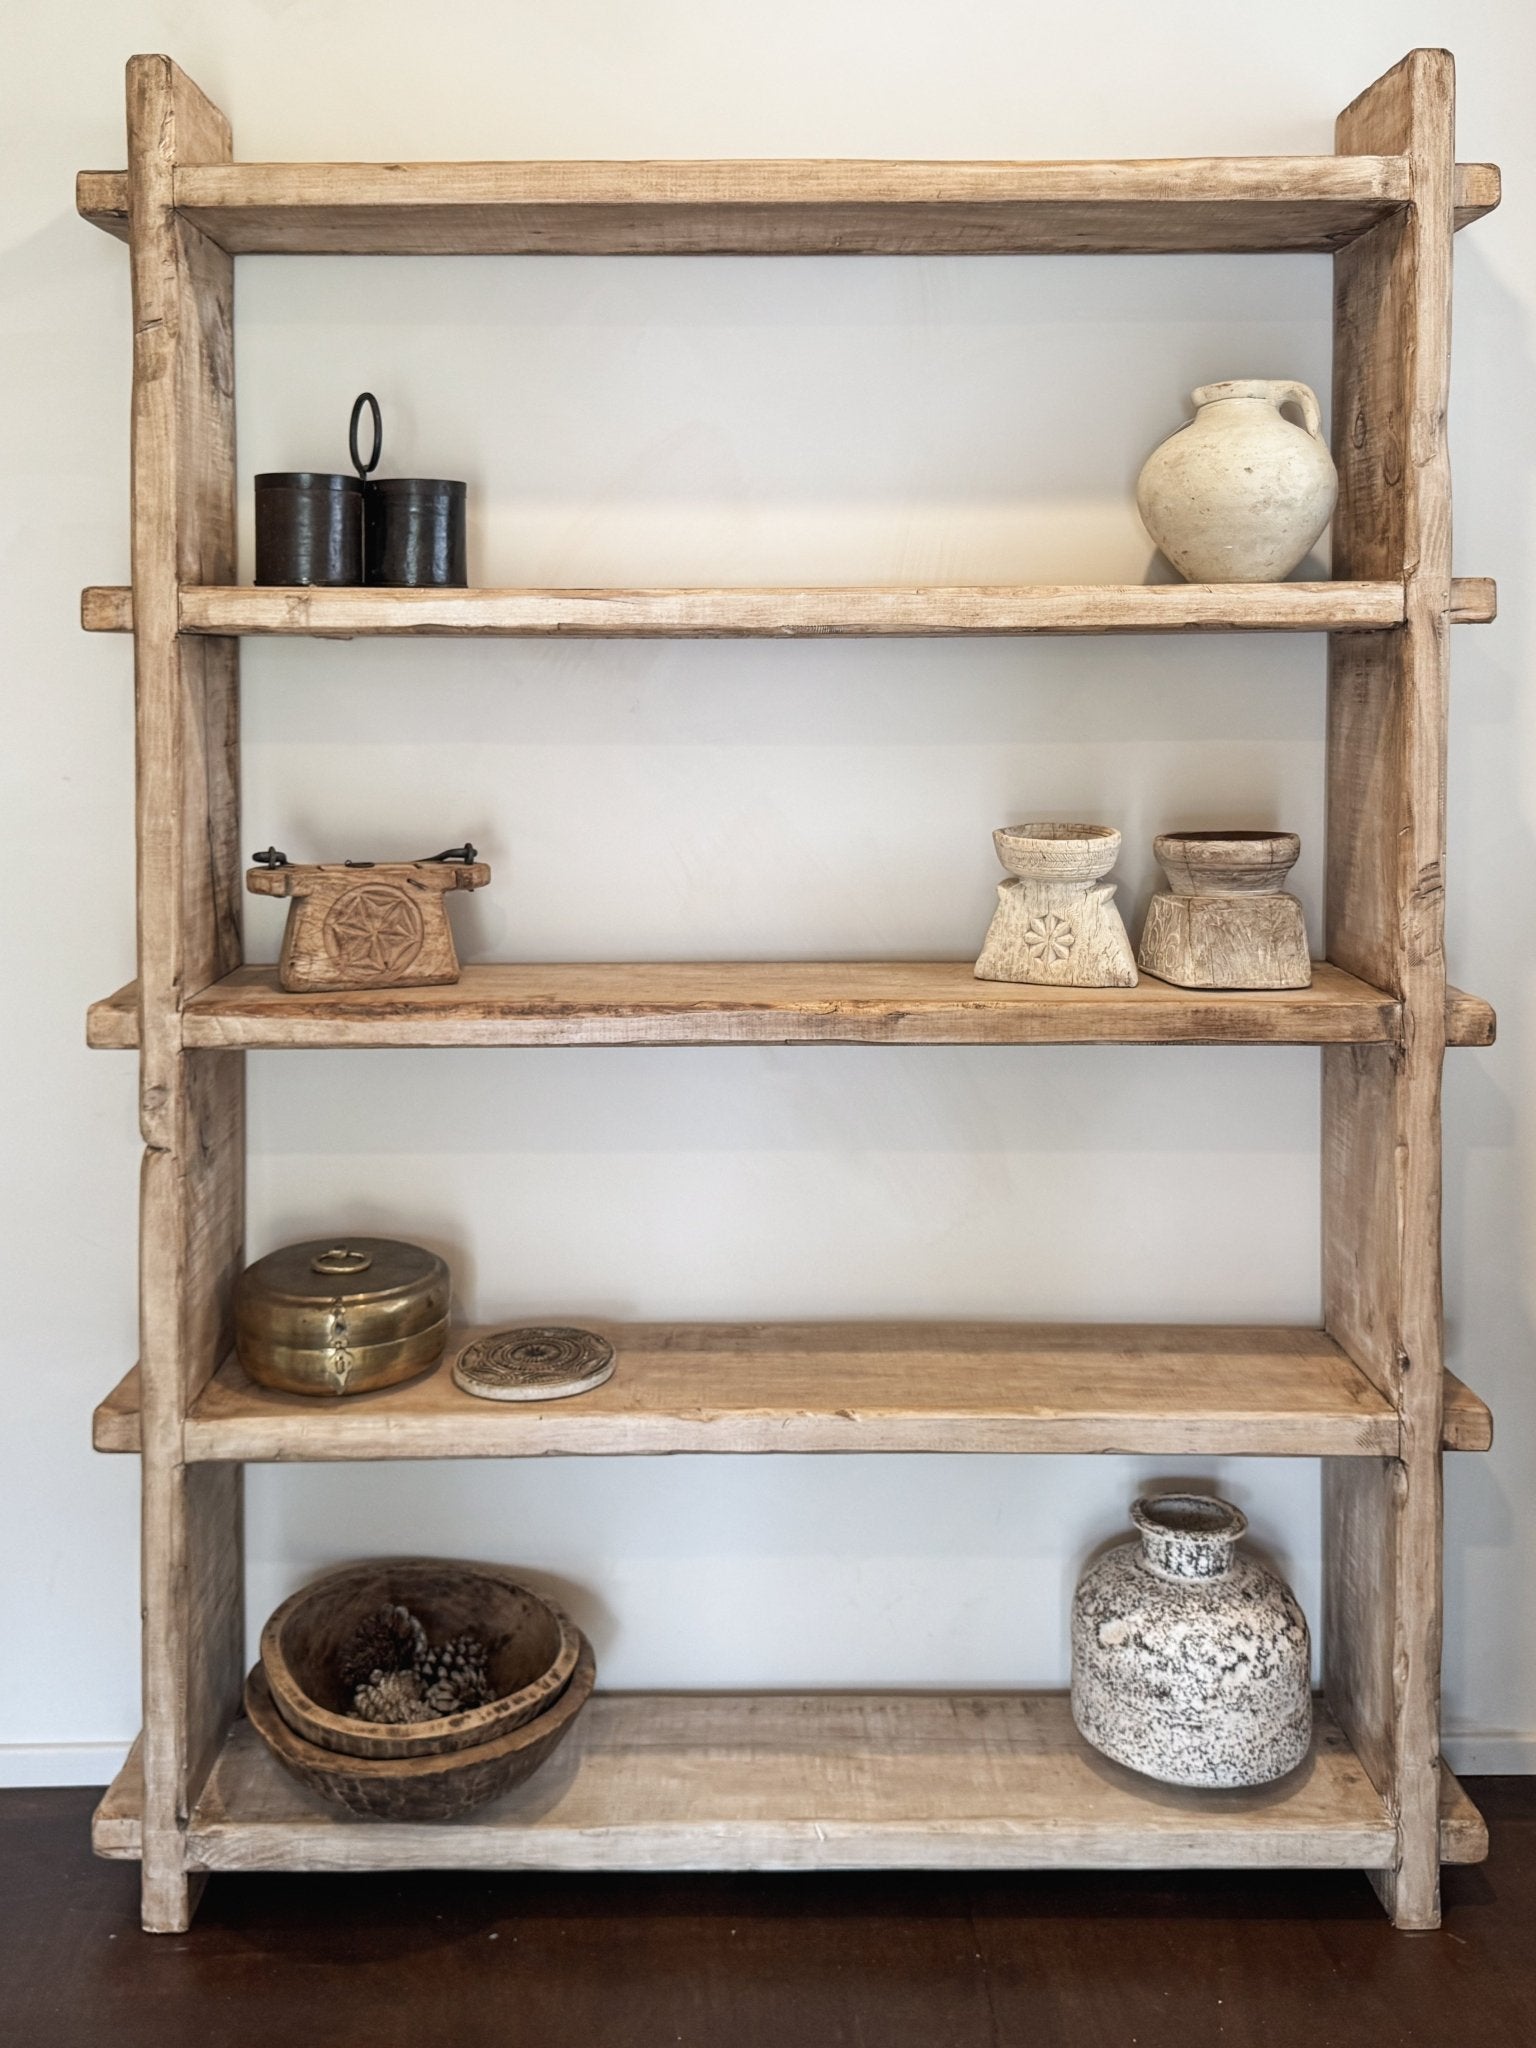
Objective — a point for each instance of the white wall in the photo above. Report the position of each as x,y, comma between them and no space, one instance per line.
740,421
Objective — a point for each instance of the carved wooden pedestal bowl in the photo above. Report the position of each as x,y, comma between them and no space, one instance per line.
1227,920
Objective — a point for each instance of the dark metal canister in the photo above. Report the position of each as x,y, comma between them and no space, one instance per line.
309,528
415,532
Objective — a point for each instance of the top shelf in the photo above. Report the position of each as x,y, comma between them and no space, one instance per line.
815,207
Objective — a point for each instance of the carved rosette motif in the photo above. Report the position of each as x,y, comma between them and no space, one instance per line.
373,930
1049,937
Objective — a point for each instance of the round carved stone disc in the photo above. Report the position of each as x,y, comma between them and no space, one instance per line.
534,1364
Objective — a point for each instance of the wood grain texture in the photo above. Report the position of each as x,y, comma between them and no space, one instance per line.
795,613
773,1003
112,1023
1474,600
1393,196
1295,202
657,1781
1231,941
101,197
803,612
191,1106
822,1781
1468,1019
1466,1422
1385,919
383,926
851,1387
1047,932
847,1387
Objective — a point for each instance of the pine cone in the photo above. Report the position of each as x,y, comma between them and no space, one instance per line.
454,1676
390,1640
392,1696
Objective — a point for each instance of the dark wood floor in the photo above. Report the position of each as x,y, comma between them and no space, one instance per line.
911,1961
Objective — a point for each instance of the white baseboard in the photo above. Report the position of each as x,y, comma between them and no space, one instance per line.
1496,1754
1500,1753
60,1763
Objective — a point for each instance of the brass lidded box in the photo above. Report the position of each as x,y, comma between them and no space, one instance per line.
341,1315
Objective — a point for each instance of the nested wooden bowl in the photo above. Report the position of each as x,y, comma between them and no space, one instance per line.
444,1786
532,1650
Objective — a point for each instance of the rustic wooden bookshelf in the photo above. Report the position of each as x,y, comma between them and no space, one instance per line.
770,1781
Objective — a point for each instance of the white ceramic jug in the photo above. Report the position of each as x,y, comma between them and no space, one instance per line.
1240,494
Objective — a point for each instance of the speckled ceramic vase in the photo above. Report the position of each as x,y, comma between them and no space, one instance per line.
1191,1664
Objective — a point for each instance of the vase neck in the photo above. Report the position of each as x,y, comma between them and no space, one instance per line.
1188,1535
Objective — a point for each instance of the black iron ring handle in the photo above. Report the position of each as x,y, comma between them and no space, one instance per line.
366,469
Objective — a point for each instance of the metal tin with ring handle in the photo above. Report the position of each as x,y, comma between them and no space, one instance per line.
341,1315
402,533
365,469
413,526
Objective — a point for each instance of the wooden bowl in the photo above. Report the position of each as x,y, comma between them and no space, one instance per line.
1058,853
441,1787
1226,863
531,1652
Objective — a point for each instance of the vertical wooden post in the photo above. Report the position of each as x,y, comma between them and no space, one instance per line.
191,1104
1386,829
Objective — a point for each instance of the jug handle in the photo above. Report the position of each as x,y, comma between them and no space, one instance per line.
1304,397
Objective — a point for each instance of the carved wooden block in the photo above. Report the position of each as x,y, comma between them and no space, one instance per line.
1056,921
1226,922
380,925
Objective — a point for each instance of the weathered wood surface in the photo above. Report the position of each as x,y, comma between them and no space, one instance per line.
710,1781
1056,924
112,1023
1466,1422
1232,942
1385,898
787,612
796,612
1382,1515
191,1105
738,1002
848,1387
810,207
1468,1019
383,926
226,1414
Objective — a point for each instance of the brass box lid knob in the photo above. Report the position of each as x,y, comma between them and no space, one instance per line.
341,1259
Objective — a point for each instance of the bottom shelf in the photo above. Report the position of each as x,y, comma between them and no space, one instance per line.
711,1781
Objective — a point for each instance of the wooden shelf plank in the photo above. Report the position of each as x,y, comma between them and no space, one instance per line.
112,1025
101,197
1468,1019
1466,1422
835,1387
779,207
708,1781
818,1002
749,1002
819,612
1149,1388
